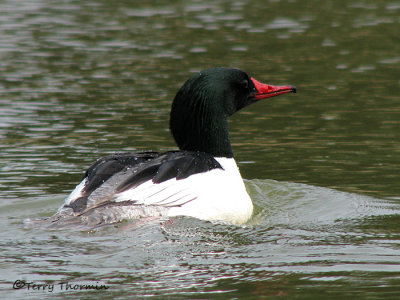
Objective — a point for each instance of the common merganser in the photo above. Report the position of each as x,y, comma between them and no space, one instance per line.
199,180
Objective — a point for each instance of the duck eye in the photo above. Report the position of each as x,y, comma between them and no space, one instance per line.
245,83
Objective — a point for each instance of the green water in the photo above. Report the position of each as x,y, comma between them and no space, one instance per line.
81,79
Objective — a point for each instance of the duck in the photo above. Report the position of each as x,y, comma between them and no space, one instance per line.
201,179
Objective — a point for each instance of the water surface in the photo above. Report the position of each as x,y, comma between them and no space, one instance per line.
79,80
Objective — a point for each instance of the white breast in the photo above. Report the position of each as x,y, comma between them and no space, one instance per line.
222,195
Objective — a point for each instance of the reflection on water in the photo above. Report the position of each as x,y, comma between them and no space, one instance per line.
81,79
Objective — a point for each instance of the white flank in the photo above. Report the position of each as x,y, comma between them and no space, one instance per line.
216,195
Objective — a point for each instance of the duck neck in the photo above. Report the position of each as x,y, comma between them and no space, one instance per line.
200,129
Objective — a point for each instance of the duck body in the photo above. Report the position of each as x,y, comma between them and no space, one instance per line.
151,184
199,180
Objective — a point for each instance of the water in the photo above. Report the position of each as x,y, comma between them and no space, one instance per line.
79,80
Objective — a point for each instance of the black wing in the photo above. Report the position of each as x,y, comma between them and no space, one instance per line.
107,166
175,164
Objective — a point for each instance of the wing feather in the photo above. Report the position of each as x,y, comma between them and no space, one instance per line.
142,178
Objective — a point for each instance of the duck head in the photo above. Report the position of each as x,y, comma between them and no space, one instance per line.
200,109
